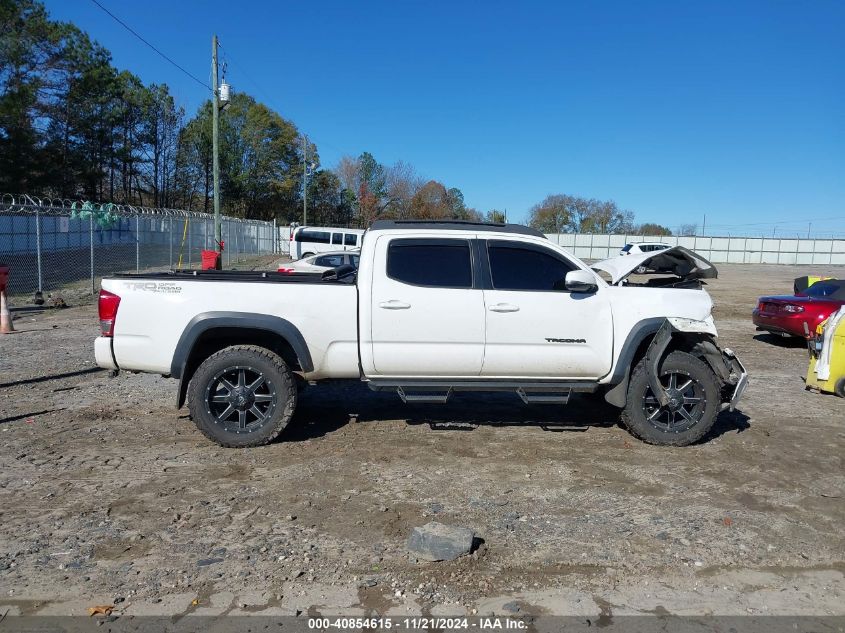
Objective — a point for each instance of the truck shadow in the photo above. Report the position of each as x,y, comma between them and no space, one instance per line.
332,406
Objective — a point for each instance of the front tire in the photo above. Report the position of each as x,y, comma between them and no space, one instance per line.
695,402
242,396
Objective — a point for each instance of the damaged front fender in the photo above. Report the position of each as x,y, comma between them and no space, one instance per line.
698,338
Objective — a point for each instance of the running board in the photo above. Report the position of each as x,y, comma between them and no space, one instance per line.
439,391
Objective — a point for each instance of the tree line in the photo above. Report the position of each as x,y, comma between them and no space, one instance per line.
561,213
74,126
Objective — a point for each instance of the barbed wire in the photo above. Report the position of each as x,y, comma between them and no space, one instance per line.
27,203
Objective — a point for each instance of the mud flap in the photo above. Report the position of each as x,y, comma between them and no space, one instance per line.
181,392
653,356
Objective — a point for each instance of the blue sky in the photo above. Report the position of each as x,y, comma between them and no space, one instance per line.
673,109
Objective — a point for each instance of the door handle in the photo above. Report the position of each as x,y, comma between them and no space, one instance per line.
393,304
504,307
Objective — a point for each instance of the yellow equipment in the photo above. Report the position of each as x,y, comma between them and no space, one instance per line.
827,356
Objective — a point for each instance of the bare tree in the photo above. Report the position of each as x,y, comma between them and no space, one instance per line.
348,171
402,184
688,230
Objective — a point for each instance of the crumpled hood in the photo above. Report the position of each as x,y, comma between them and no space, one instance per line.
677,260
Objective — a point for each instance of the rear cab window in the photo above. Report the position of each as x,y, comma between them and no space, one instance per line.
433,263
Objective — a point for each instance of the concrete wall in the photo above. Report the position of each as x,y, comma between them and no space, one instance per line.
719,250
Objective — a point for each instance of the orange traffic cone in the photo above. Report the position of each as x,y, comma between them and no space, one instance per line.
6,326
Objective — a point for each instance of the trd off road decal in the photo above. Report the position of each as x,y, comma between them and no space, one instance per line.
161,287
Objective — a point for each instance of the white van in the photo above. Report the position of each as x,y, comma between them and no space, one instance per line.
310,240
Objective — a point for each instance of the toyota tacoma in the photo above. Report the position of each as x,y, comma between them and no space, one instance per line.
434,308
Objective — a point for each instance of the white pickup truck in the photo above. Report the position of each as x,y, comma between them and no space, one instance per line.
434,308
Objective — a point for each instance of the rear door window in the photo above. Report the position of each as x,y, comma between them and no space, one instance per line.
435,263
337,238
516,266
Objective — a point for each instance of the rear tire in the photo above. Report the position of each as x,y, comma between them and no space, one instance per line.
242,396
696,402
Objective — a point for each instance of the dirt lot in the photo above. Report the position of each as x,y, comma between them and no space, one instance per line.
107,493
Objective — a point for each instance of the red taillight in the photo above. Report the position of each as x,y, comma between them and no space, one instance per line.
287,271
108,305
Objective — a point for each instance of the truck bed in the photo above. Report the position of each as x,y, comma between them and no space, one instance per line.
158,312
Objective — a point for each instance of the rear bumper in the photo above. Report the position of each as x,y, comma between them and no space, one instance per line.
103,353
792,325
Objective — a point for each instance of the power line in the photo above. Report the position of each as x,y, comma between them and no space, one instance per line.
244,73
136,34
262,92
779,222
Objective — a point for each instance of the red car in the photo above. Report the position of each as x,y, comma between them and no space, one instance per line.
787,315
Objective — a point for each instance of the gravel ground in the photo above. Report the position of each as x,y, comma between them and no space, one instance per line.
107,493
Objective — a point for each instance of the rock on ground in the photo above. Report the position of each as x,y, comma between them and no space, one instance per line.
435,541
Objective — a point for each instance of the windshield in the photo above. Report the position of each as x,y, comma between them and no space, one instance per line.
826,289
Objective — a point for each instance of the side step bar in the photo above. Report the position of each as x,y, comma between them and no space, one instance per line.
544,397
439,391
433,398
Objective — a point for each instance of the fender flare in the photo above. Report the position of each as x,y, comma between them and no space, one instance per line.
206,321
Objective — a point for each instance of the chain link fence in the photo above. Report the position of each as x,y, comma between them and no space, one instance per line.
52,243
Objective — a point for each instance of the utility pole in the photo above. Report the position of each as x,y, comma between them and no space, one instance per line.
304,180
703,225
215,129
809,228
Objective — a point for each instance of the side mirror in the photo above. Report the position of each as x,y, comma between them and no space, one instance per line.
580,281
